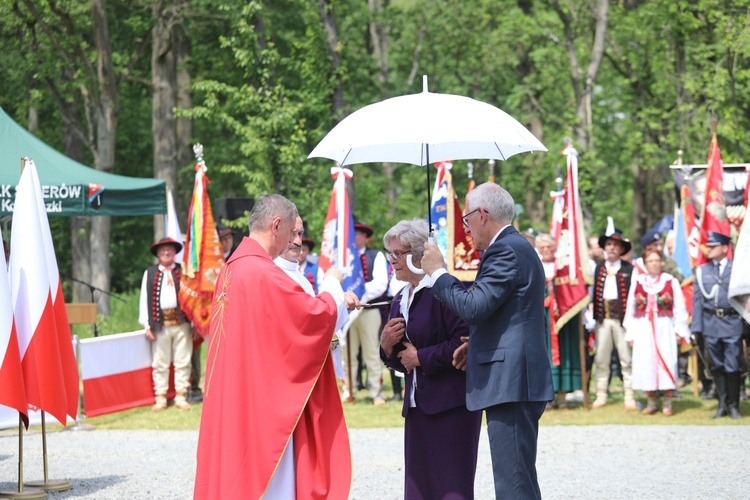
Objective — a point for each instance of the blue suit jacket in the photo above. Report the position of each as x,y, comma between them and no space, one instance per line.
507,358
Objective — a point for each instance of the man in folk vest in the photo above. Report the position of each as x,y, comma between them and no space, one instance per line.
310,270
364,330
610,294
165,324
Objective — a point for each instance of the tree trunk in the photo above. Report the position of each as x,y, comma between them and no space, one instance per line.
164,81
184,126
332,39
104,155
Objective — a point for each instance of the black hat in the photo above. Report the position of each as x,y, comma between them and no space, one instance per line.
611,233
223,230
358,226
651,236
309,243
715,239
166,241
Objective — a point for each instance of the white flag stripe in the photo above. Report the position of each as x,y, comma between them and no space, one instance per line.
115,354
173,226
29,278
49,248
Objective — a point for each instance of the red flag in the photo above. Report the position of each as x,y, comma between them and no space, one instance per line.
203,257
44,353
714,216
571,265
13,393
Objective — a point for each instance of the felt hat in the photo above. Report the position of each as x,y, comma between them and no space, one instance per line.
166,241
368,230
612,233
223,230
715,239
309,243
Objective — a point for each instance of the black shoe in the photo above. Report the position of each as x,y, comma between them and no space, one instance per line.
195,395
721,412
397,397
734,413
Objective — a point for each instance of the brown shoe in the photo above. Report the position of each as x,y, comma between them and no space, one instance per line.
598,404
667,412
182,405
378,402
158,407
649,411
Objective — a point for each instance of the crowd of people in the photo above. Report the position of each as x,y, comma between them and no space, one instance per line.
462,349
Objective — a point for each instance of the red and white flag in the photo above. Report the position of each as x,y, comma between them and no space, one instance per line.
13,393
47,359
714,216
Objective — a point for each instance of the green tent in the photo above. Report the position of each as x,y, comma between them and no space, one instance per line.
72,189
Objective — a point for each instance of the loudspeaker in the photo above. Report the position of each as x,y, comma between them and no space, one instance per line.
233,208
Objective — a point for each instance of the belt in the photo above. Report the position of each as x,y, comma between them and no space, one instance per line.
720,313
612,309
170,317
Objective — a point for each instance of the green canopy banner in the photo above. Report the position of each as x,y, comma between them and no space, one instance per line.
70,188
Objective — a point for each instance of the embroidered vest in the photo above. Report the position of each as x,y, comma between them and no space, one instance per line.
664,300
623,285
153,290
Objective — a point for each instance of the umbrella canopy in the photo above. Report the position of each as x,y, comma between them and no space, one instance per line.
424,128
70,188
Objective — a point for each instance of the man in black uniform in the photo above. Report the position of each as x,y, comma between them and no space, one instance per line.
719,323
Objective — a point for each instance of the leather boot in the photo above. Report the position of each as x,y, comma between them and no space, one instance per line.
666,405
720,383
651,404
733,395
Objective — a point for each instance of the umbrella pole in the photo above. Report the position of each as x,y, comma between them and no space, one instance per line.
429,198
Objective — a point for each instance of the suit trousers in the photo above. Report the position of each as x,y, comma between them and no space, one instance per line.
364,331
725,353
611,335
513,429
174,344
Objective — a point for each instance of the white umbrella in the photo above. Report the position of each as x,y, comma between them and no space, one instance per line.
423,128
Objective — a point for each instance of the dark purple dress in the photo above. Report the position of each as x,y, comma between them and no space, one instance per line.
441,436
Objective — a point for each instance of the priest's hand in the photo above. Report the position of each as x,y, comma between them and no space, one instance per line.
352,301
432,260
393,333
334,273
149,334
459,355
409,357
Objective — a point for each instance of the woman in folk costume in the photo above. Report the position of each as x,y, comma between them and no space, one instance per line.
562,345
655,319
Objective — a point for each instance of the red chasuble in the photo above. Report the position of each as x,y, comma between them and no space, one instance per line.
269,374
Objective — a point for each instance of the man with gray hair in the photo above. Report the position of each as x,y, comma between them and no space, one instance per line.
269,375
505,358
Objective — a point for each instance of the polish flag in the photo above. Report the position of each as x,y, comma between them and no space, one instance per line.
44,356
13,393
116,373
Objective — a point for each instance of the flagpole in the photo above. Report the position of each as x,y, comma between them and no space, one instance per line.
29,493
46,484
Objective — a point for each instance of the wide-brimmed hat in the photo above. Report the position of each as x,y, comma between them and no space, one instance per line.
223,230
715,239
166,241
612,233
309,243
358,226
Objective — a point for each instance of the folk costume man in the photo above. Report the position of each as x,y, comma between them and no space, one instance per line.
364,331
611,285
165,324
312,273
719,323
507,369
269,375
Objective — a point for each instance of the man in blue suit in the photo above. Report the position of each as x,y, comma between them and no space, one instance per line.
507,370
719,323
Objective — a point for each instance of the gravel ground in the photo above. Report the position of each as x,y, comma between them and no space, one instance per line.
574,462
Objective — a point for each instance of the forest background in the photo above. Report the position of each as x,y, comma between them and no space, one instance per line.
127,86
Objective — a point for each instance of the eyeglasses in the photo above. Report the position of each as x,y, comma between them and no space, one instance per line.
397,255
465,218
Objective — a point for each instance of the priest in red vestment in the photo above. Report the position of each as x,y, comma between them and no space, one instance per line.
269,375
